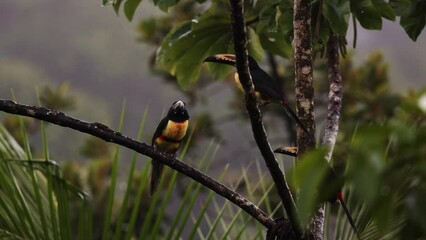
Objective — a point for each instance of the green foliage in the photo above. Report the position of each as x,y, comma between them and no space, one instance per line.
306,179
185,47
366,13
33,193
185,41
385,9
413,18
368,95
337,13
274,26
385,175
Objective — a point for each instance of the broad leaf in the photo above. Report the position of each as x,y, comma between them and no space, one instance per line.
254,46
385,9
220,71
399,6
367,162
307,179
268,18
276,17
164,5
182,52
366,13
413,19
187,45
130,8
337,13
275,43
116,4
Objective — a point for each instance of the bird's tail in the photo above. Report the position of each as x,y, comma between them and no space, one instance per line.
293,115
348,214
156,172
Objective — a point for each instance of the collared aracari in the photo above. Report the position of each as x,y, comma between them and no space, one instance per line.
331,189
267,89
168,137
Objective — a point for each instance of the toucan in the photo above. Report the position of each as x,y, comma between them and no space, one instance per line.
267,89
168,137
331,187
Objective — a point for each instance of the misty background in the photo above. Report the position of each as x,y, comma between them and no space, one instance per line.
49,42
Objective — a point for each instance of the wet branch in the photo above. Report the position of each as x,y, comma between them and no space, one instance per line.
240,47
105,133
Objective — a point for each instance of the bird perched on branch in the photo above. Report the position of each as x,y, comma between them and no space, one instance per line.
168,137
266,88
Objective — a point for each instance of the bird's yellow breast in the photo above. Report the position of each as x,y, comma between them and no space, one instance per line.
169,140
240,86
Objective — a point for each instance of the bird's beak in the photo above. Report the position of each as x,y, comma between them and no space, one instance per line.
228,59
291,151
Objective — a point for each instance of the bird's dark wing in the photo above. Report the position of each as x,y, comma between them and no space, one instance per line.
157,167
161,126
266,85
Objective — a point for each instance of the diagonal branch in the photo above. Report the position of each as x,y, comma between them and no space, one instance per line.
240,47
103,132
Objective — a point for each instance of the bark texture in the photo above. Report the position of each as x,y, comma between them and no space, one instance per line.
303,72
332,123
335,96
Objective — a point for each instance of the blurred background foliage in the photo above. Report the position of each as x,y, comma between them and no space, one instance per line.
379,148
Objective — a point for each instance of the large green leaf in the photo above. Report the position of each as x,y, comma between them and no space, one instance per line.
254,46
130,8
187,45
116,4
413,19
285,19
385,9
337,13
275,43
184,56
164,5
366,14
220,71
268,18
276,17
399,6
306,179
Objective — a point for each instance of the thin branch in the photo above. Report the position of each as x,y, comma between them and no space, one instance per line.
355,31
103,132
332,123
334,96
240,47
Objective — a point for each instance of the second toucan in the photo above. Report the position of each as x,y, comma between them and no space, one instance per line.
168,137
267,89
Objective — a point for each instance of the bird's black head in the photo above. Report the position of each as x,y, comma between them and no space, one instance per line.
230,59
178,112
